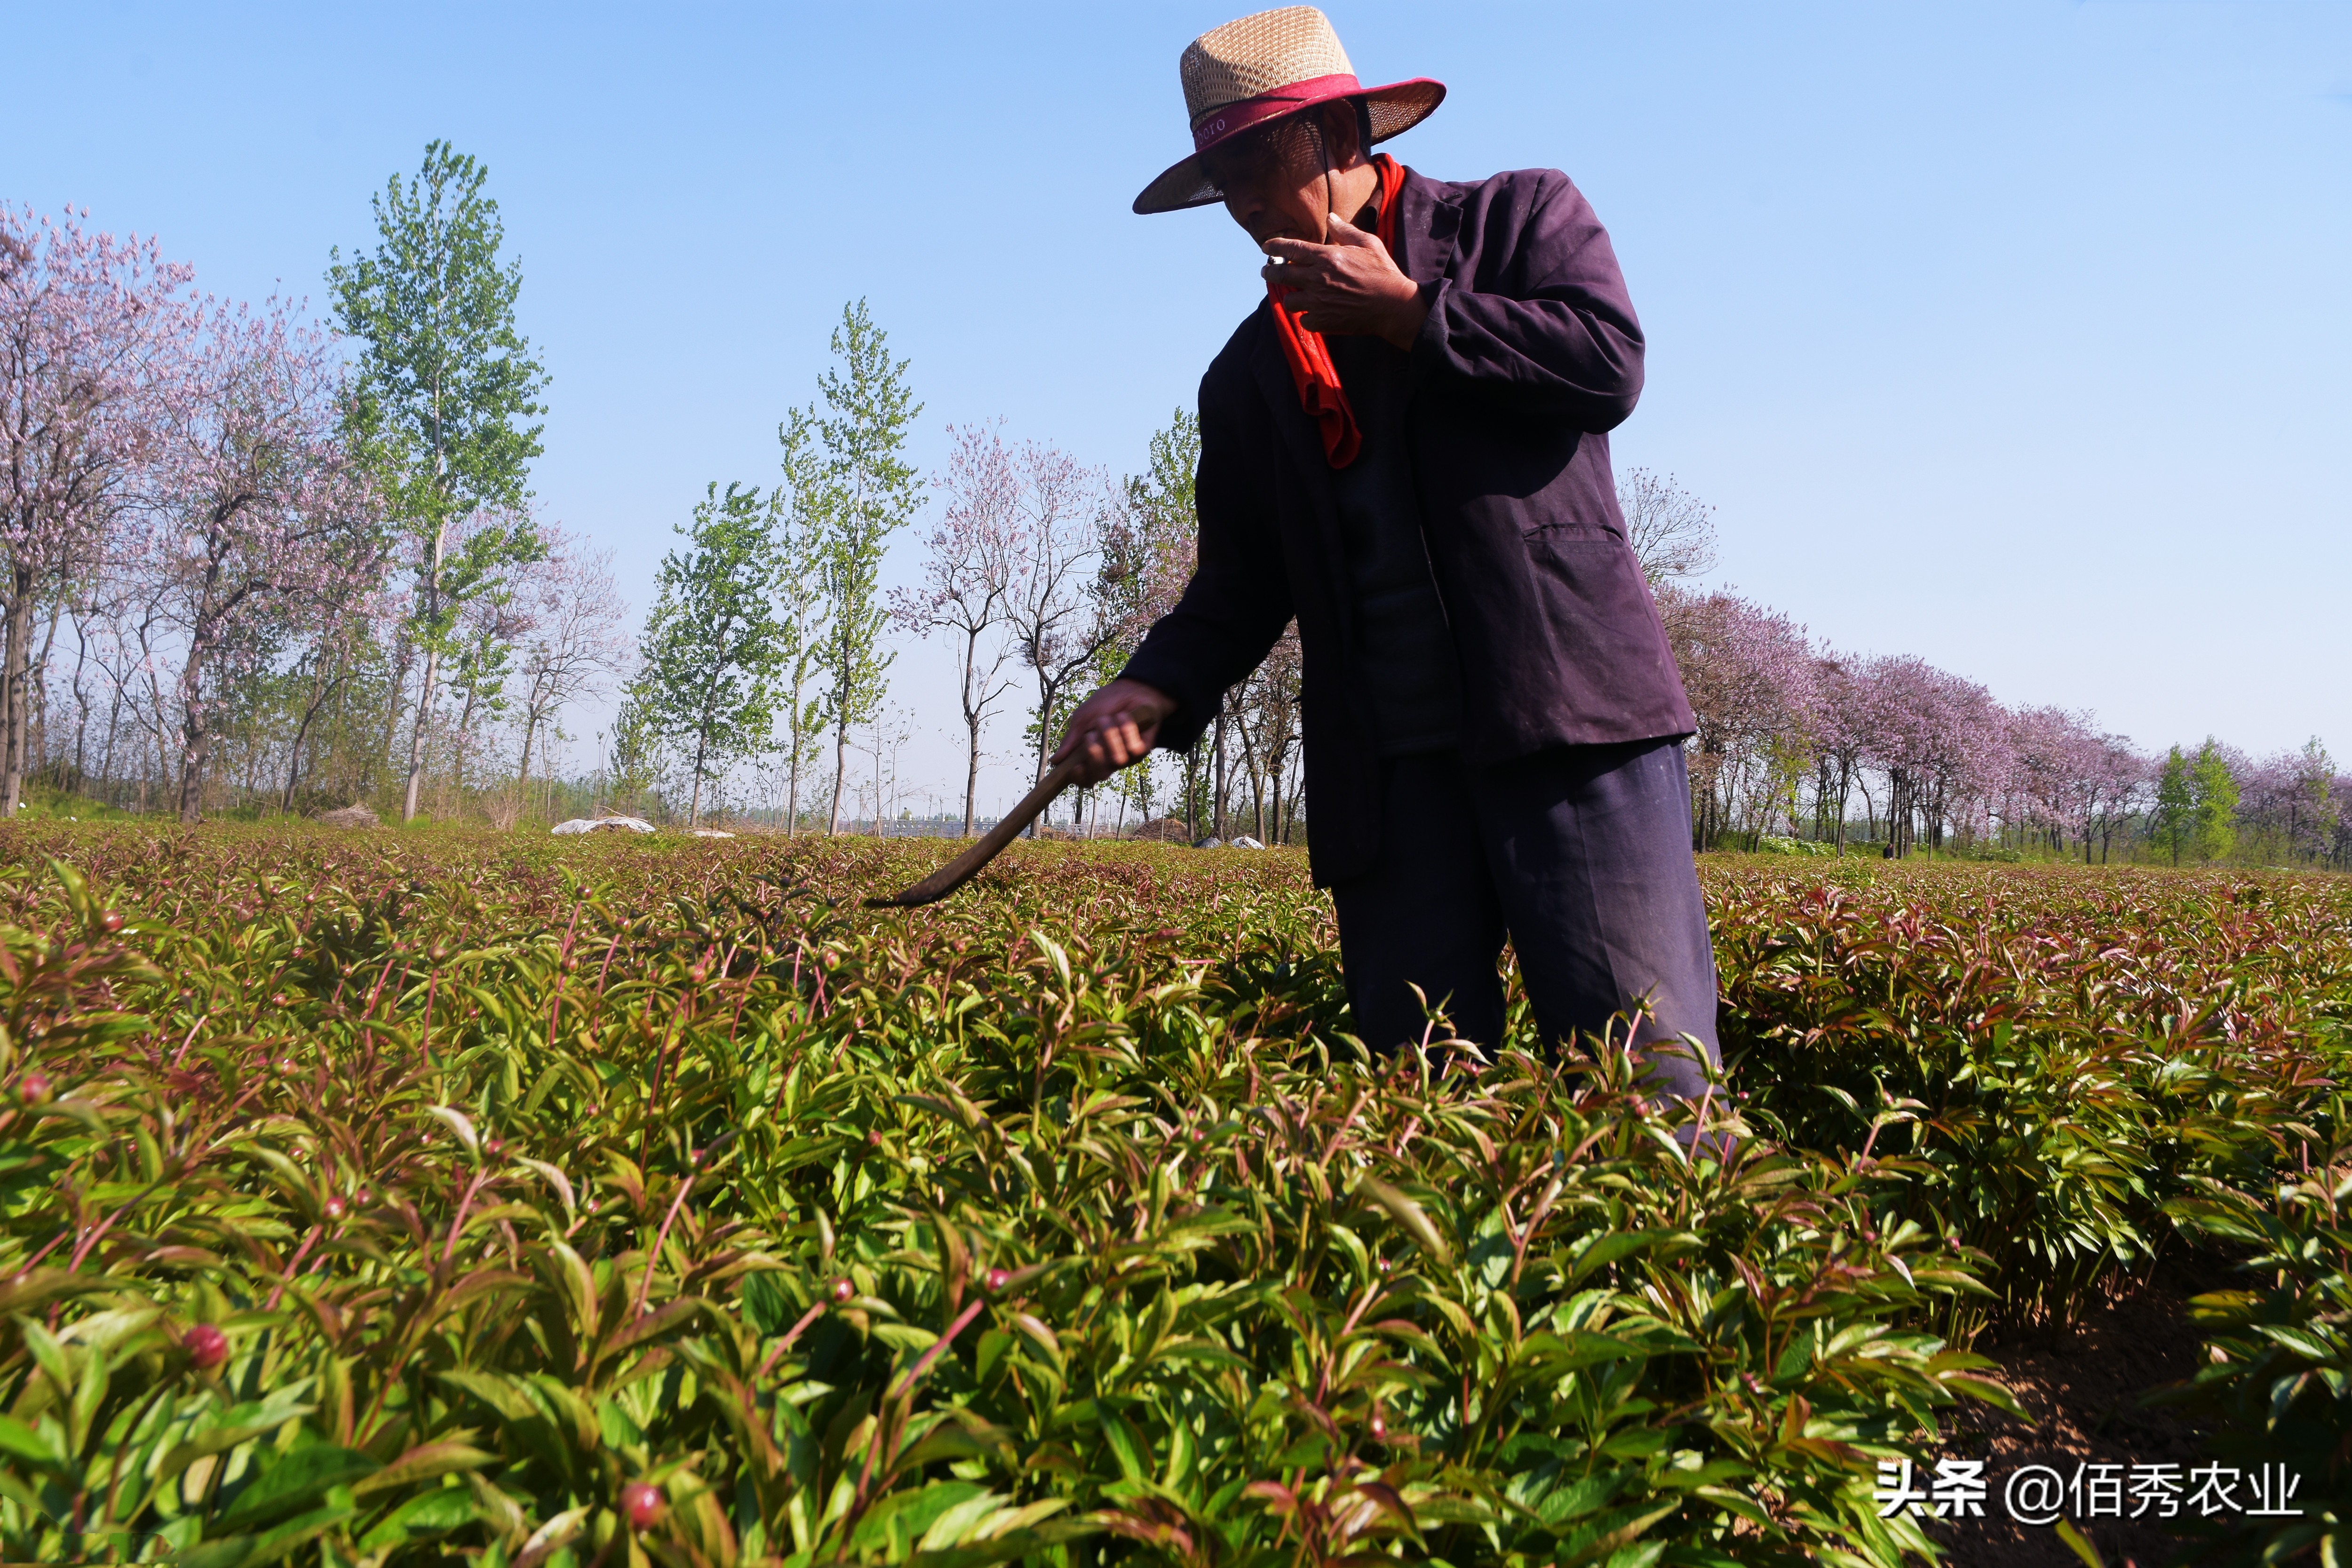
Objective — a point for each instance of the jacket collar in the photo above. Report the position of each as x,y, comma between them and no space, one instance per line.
1430,228
1428,231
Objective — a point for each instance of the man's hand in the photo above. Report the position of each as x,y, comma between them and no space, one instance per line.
1114,727
1350,285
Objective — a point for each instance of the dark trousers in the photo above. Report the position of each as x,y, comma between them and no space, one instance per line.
1580,855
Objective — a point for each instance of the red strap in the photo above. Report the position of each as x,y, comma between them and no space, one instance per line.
1311,370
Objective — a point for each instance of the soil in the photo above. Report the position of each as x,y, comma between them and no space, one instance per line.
2082,1387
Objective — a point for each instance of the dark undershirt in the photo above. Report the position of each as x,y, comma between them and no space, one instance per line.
1404,647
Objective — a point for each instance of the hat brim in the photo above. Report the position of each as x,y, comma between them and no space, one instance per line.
1395,108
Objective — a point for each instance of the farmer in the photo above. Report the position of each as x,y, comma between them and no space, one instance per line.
1406,448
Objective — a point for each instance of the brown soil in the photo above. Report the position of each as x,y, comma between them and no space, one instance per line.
2081,1389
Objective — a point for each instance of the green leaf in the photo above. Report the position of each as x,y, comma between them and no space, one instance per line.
295,1481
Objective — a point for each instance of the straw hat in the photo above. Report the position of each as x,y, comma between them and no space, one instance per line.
1239,76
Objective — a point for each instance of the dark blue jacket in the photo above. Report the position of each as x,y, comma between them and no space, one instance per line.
1530,356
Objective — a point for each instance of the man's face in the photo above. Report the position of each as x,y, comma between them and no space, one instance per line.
1274,176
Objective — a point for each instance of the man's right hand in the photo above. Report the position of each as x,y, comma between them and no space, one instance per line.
1114,727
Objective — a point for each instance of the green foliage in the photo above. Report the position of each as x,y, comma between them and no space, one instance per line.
804,499
2054,1065
445,378
1029,1227
2214,811
870,492
714,649
444,382
2172,824
1064,1224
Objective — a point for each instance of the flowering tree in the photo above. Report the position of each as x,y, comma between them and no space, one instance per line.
258,518
1938,740
1750,675
1059,622
971,569
575,642
84,320
1840,732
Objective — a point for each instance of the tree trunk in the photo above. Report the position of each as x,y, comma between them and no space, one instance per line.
417,735
522,768
970,770
1217,782
840,769
196,732
14,707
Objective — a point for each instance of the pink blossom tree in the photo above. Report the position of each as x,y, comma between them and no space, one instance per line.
972,564
257,519
1057,616
576,642
84,320
1750,676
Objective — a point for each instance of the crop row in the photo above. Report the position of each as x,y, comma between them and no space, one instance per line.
393,1200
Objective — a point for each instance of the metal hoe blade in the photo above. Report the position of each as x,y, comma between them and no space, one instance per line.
966,865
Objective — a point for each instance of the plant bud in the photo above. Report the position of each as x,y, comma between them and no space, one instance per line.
996,1278
698,973
206,1346
642,1502
1379,1427
110,921
33,1089
334,1207
841,1291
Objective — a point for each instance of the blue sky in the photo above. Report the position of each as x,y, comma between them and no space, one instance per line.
2011,335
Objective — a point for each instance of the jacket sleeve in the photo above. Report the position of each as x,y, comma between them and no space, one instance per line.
1238,600
1552,328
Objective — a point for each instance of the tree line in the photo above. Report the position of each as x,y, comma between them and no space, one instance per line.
251,563
1800,743
248,561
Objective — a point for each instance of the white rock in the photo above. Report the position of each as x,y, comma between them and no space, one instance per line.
1244,842
711,832
582,824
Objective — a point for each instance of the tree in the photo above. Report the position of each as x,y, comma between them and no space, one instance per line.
870,493
575,641
1672,531
84,323
258,516
445,382
805,499
712,646
2213,810
970,572
1148,550
1750,675
2173,823
1059,619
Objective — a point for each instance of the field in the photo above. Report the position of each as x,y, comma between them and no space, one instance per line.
402,1197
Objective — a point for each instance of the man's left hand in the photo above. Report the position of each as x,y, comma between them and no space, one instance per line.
1349,286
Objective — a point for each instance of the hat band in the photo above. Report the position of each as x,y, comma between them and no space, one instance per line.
1214,125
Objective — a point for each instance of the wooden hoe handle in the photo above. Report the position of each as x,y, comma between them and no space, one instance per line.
966,865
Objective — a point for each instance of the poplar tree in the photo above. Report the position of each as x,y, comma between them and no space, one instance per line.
713,649
2175,803
870,494
2215,814
803,501
446,386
